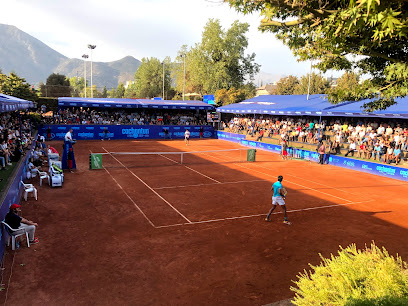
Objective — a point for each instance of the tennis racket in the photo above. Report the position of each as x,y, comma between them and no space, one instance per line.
284,191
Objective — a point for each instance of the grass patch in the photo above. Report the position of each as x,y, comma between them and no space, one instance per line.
5,175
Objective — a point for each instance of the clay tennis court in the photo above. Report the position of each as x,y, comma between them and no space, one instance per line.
147,230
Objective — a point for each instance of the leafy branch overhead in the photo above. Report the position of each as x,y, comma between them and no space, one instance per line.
368,36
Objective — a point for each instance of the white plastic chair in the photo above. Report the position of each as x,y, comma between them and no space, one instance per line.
44,175
14,234
29,188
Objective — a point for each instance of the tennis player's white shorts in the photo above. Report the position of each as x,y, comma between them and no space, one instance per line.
278,200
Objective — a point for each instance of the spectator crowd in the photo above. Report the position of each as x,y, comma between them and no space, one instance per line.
14,141
365,138
146,117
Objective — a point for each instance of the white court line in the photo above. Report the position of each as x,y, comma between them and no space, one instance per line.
196,185
154,191
192,169
134,203
304,179
259,215
287,181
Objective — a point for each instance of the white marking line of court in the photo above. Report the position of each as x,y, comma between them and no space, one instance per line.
134,203
259,215
154,191
211,184
304,179
289,181
192,169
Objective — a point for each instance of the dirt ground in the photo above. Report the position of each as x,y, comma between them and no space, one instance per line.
149,231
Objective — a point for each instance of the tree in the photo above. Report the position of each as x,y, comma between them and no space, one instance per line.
234,95
57,85
286,85
366,35
112,93
218,61
77,86
318,85
15,86
120,91
346,84
149,78
104,93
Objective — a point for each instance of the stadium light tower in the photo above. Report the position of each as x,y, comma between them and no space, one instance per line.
91,47
85,56
183,55
163,79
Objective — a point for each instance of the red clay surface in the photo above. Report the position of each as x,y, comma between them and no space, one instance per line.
147,231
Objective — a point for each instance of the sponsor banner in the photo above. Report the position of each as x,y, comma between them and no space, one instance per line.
230,136
340,161
89,132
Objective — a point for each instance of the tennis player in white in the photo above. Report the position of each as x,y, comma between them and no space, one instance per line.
278,198
187,137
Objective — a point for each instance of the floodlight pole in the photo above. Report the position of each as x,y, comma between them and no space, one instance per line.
163,79
310,75
85,56
184,79
91,47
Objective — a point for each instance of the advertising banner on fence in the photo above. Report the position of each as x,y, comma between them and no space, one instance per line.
340,161
89,132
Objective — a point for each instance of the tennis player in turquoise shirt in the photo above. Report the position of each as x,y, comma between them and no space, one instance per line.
278,197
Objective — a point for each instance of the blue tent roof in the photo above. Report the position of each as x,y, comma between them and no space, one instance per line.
279,105
316,105
132,103
355,109
10,103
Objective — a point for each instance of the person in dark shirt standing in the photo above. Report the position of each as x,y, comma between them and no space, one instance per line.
16,222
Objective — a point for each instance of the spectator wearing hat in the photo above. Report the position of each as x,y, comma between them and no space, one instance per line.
16,222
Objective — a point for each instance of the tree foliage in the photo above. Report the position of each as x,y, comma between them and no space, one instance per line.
149,79
234,95
318,85
218,61
367,35
15,86
354,277
286,85
57,85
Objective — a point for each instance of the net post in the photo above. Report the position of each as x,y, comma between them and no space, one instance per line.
181,158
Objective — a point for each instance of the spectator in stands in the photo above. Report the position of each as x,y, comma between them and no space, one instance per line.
377,152
4,151
397,155
351,149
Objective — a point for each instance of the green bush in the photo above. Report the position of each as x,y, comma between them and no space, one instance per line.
354,277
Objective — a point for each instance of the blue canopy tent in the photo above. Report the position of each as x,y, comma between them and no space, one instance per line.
317,105
279,105
355,109
132,103
10,103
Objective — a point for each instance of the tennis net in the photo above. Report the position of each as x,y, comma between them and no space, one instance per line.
159,159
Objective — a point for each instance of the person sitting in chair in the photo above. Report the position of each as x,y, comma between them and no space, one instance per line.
16,222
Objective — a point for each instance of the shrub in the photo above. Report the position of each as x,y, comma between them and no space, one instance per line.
354,277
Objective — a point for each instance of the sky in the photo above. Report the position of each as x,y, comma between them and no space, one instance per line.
140,28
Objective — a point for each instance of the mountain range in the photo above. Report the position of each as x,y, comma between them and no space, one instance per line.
35,61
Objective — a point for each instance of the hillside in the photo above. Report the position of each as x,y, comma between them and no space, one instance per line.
35,61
